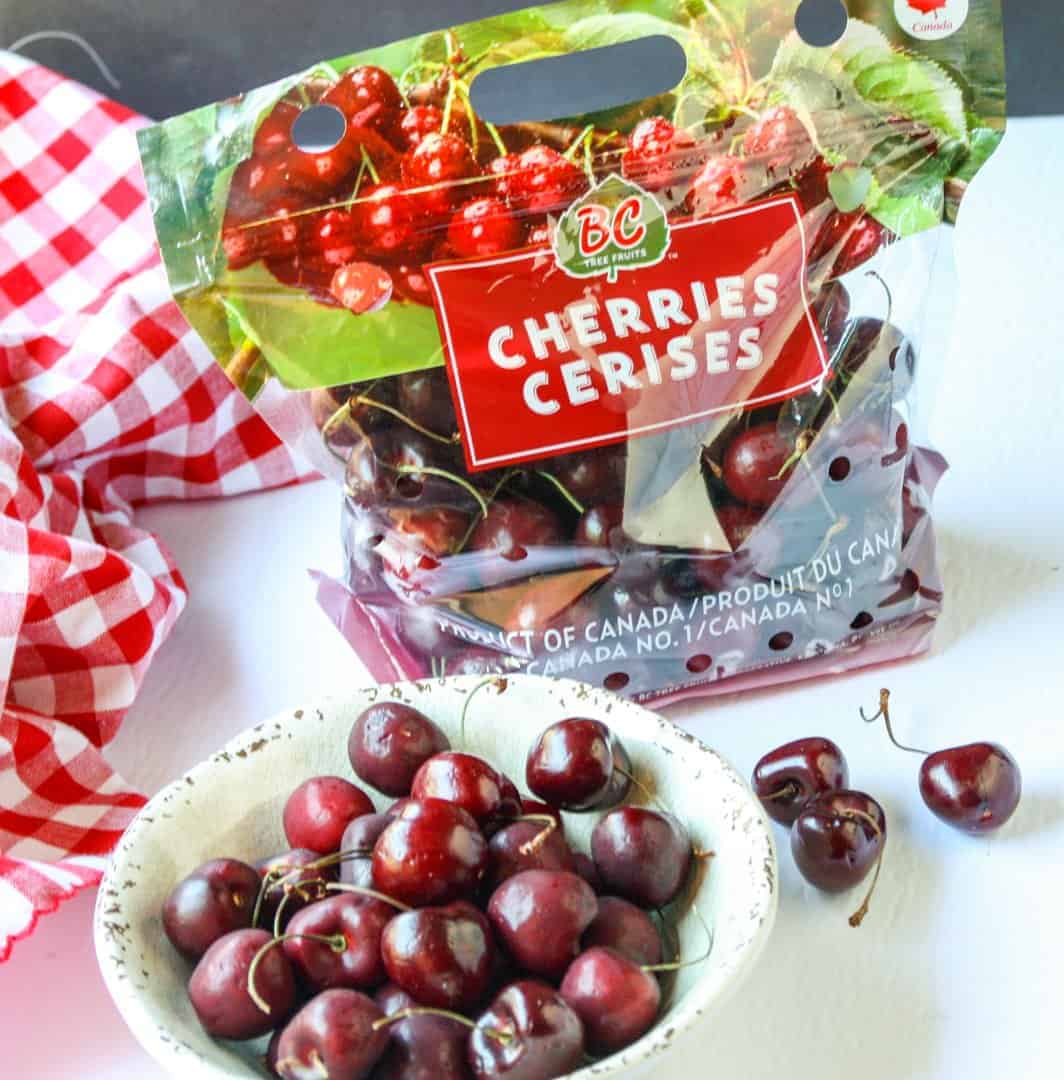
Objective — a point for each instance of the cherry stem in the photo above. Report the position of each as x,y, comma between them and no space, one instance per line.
788,791
801,445
336,942
505,1037
636,782
431,470
859,915
361,890
884,711
447,440
578,143
569,497
368,162
549,823
243,363
489,681
678,964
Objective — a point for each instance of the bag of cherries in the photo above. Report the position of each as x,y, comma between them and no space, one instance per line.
627,396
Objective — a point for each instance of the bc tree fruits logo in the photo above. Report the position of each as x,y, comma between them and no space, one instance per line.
930,20
616,226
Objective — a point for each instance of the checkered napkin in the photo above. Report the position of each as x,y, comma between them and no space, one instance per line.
107,399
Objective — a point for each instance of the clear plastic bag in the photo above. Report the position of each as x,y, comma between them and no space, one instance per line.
628,397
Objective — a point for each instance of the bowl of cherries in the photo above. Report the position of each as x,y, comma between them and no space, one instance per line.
469,877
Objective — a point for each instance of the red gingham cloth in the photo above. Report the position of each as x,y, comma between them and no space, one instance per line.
107,399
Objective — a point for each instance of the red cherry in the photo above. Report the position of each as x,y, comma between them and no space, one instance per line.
431,854
212,901
616,1000
335,1036
390,742
412,283
218,988
292,875
484,227
641,855
361,287
277,235
866,239
360,836
755,465
540,916
363,87
417,122
975,788
526,845
441,164
333,235
511,526
319,810
578,764
425,397
658,154
359,921
257,185
812,184
626,929
502,172
837,838
599,524
468,782
721,184
274,134
393,223
780,141
787,778
421,1047
544,181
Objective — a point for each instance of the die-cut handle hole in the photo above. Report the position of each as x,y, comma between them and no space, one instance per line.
821,22
318,128
581,82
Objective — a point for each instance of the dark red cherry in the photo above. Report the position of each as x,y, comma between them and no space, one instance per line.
593,476
334,1036
975,788
218,988
540,916
465,780
484,227
412,283
443,165
319,810
626,929
755,465
425,397
442,956
837,839
274,134
544,181
333,236
512,525
534,806
362,87
599,524
658,154
361,835
812,184
574,765
723,183
642,855
787,778
420,1047
431,854
616,1000
393,223
526,845
215,899
390,742
865,240
417,122
292,874
360,921
584,865
780,142
544,1036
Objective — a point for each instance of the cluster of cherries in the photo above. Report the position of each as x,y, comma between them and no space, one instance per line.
363,948
838,835
416,178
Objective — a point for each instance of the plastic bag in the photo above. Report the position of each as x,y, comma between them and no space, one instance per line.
628,396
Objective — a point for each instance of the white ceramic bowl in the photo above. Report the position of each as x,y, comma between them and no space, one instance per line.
230,805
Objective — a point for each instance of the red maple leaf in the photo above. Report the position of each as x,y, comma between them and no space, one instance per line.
925,7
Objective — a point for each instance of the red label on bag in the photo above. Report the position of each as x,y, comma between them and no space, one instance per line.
627,326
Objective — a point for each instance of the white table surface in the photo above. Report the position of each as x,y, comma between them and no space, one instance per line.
957,971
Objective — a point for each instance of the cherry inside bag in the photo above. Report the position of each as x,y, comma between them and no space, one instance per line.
629,396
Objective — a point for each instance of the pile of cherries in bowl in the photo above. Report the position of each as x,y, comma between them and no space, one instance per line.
456,934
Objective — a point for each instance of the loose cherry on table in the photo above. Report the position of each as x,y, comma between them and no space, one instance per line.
616,999
540,915
787,778
313,938
215,899
442,956
528,1031
578,764
432,853
641,855
336,1034
836,841
421,1046
320,809
389,742
220,993
974,788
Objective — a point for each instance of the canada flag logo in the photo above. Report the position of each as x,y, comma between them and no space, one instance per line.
931,20
928,7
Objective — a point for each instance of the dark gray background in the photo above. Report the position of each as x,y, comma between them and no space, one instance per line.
172,55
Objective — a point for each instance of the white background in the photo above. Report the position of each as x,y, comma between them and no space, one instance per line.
957,972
